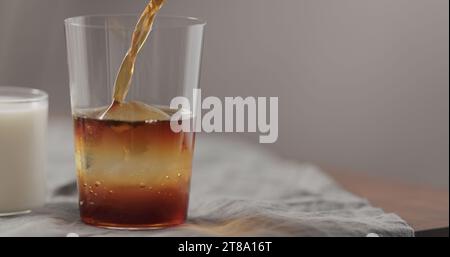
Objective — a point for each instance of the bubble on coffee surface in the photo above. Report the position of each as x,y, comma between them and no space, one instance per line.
134,111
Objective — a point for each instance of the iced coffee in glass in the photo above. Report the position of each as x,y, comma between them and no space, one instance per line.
133,170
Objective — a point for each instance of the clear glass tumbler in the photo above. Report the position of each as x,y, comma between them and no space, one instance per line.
133,173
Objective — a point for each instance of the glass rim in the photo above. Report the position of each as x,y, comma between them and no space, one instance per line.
22,95
76,21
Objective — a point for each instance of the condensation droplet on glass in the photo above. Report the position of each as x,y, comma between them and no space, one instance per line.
126,152
97,183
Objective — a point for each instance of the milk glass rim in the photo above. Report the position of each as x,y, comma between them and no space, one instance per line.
22,95
76,21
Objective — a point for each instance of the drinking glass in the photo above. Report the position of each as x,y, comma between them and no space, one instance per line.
133,173
23,149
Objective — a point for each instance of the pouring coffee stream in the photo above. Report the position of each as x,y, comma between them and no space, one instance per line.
119,108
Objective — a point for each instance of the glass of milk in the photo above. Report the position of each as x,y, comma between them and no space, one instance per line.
23,150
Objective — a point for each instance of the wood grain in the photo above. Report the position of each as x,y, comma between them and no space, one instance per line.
423,207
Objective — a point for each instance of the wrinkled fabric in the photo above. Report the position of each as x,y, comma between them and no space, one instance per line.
238,189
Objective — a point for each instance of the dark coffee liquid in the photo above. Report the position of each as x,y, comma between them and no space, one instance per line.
132,174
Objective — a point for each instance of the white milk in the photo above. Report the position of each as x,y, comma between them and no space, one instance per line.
23,129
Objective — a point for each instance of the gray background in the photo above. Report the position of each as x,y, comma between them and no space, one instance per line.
363,84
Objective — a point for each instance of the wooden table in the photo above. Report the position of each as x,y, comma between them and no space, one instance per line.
425,208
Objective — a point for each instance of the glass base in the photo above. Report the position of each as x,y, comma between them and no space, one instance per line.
17,213
132,227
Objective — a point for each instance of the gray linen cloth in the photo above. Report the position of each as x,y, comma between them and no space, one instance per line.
238,189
